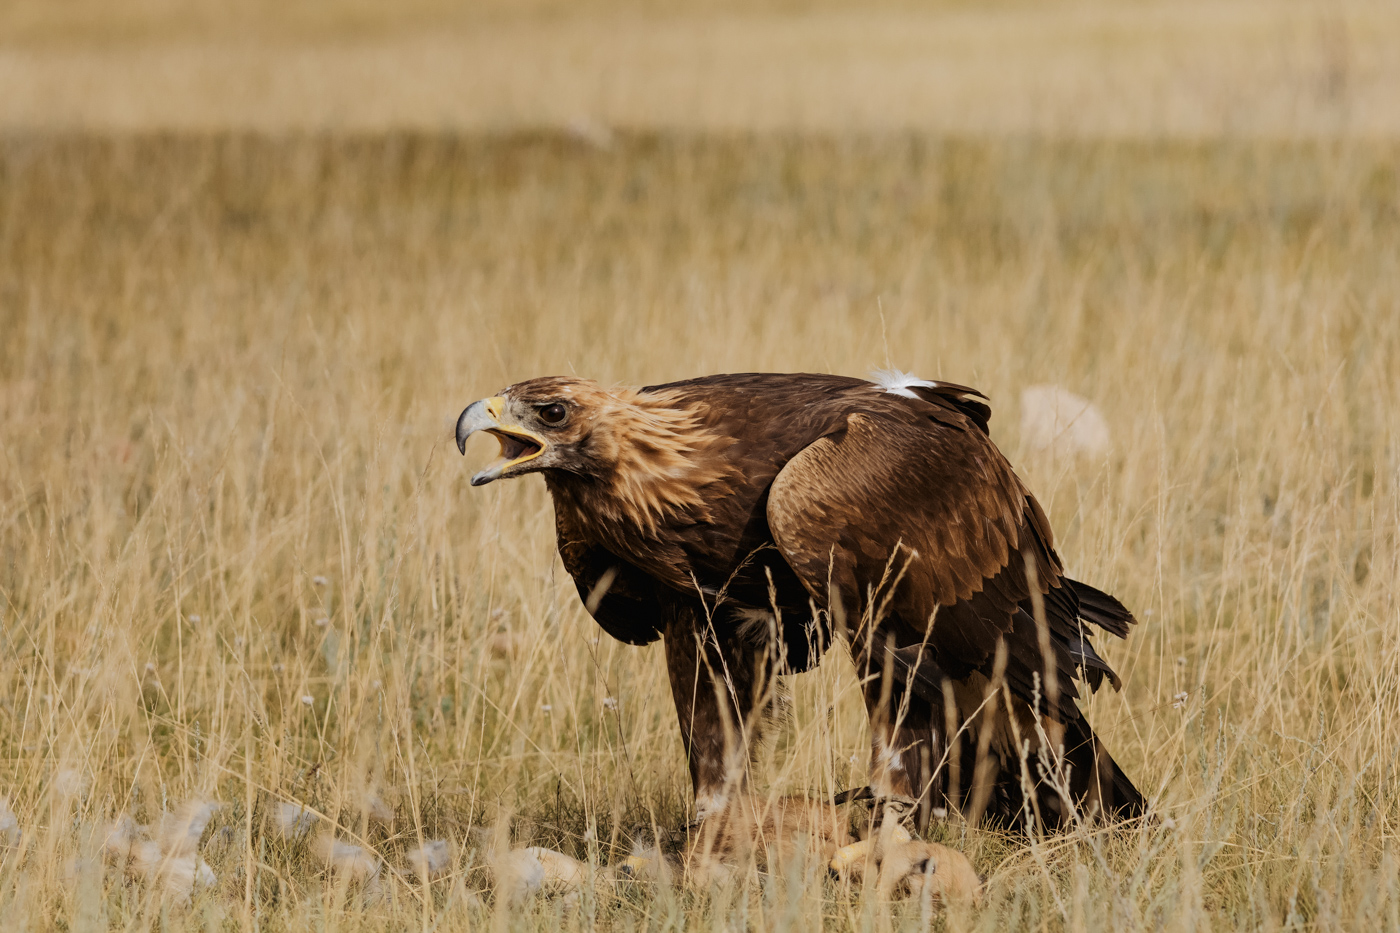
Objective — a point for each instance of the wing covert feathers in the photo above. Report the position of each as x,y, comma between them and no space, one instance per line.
881,484
934,511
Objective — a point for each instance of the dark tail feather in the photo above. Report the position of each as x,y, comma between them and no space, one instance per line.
1098,788
1097,784
1095,777
1092,667
1102,610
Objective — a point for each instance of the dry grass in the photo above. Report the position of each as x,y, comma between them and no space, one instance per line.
229,371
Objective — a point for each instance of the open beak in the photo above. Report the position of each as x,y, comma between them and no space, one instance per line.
517,444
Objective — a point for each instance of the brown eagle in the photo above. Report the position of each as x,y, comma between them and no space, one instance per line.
750,520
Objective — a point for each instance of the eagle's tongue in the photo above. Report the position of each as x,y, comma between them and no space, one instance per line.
512,449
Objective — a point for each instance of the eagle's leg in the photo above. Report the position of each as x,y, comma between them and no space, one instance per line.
907,766
719,688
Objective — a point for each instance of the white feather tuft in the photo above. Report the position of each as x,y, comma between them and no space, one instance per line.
897,383
755,625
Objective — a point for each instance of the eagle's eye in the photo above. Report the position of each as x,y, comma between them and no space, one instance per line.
553,414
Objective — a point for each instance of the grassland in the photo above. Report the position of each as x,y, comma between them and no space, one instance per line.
240,560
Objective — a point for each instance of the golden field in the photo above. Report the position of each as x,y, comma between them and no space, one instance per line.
241,562
255,257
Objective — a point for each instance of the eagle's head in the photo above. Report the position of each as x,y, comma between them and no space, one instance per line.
542,424
641,454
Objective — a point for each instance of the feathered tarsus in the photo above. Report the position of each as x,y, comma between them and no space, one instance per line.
749,520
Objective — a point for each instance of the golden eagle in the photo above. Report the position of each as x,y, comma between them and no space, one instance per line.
749,520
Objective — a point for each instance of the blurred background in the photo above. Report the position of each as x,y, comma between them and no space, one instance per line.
1277,68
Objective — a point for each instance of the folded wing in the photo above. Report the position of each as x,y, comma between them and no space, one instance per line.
920,525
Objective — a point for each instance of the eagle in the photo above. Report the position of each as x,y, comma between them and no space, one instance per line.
749,521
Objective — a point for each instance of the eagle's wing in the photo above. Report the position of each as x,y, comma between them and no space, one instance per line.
620,597
914,516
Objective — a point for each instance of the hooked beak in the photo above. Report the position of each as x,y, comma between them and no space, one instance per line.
517,444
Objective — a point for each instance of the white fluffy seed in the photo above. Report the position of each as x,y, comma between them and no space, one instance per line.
378,810
430,860
70,782
9,823
347,859
292,821
179,832
170,859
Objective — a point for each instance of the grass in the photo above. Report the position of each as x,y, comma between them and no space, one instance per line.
241,560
